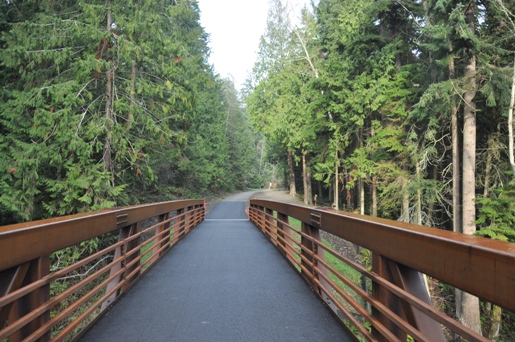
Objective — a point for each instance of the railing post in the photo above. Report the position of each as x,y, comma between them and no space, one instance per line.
164,238
182,224
252,213
189,219
10,281
195,215
380,267
321,285
25,275
305,255
262,219
269,225
412,282
204,209
284,232
179,227
118,262
130,246
199,213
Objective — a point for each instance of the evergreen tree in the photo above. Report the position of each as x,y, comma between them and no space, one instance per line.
264,102
106,104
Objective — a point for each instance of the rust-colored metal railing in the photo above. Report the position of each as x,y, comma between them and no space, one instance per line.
399,300
42,301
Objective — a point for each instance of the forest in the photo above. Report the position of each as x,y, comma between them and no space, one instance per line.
113,103
401,109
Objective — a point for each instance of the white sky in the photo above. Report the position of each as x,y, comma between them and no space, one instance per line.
235,27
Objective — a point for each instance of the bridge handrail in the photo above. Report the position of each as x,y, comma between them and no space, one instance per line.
49,235
25,250
477,265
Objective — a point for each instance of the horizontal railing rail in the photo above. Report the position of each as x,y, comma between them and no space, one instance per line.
58,276
398,304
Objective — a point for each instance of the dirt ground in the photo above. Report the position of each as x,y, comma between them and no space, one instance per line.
277,195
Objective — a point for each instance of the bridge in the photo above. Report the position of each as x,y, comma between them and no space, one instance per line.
167,271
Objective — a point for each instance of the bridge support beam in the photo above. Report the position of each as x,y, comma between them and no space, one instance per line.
16,278
284,231
411,281
189,219
179,228
314,267
270,226
161,239
120,260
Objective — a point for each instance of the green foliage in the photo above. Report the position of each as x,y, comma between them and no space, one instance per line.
497,214
93,116
367,89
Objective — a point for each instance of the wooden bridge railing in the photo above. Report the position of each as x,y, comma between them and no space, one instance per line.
399,301
38,303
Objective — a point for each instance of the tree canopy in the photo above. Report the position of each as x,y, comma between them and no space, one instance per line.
396,109
113,103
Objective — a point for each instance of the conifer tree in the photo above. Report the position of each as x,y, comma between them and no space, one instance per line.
264,101
98,104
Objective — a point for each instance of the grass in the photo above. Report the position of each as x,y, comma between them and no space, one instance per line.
145,249
149,246
339,266
344,269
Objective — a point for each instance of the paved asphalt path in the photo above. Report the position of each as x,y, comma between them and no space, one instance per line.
223,282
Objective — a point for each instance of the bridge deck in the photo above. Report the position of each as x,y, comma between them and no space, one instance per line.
224,281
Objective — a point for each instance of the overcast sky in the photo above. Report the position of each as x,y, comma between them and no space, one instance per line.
235,27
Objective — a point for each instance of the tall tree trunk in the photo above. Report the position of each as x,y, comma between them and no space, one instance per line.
456,189
510,121
361,196
425,6
336,187
488,166
261,157
308,183
456,192
304,179
374,196
493,311
470,315
130,119
109,106
293,191
405,217
374,181
331,192
306,175
431,205
349,194
418,199
495,327
469,136
361,181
